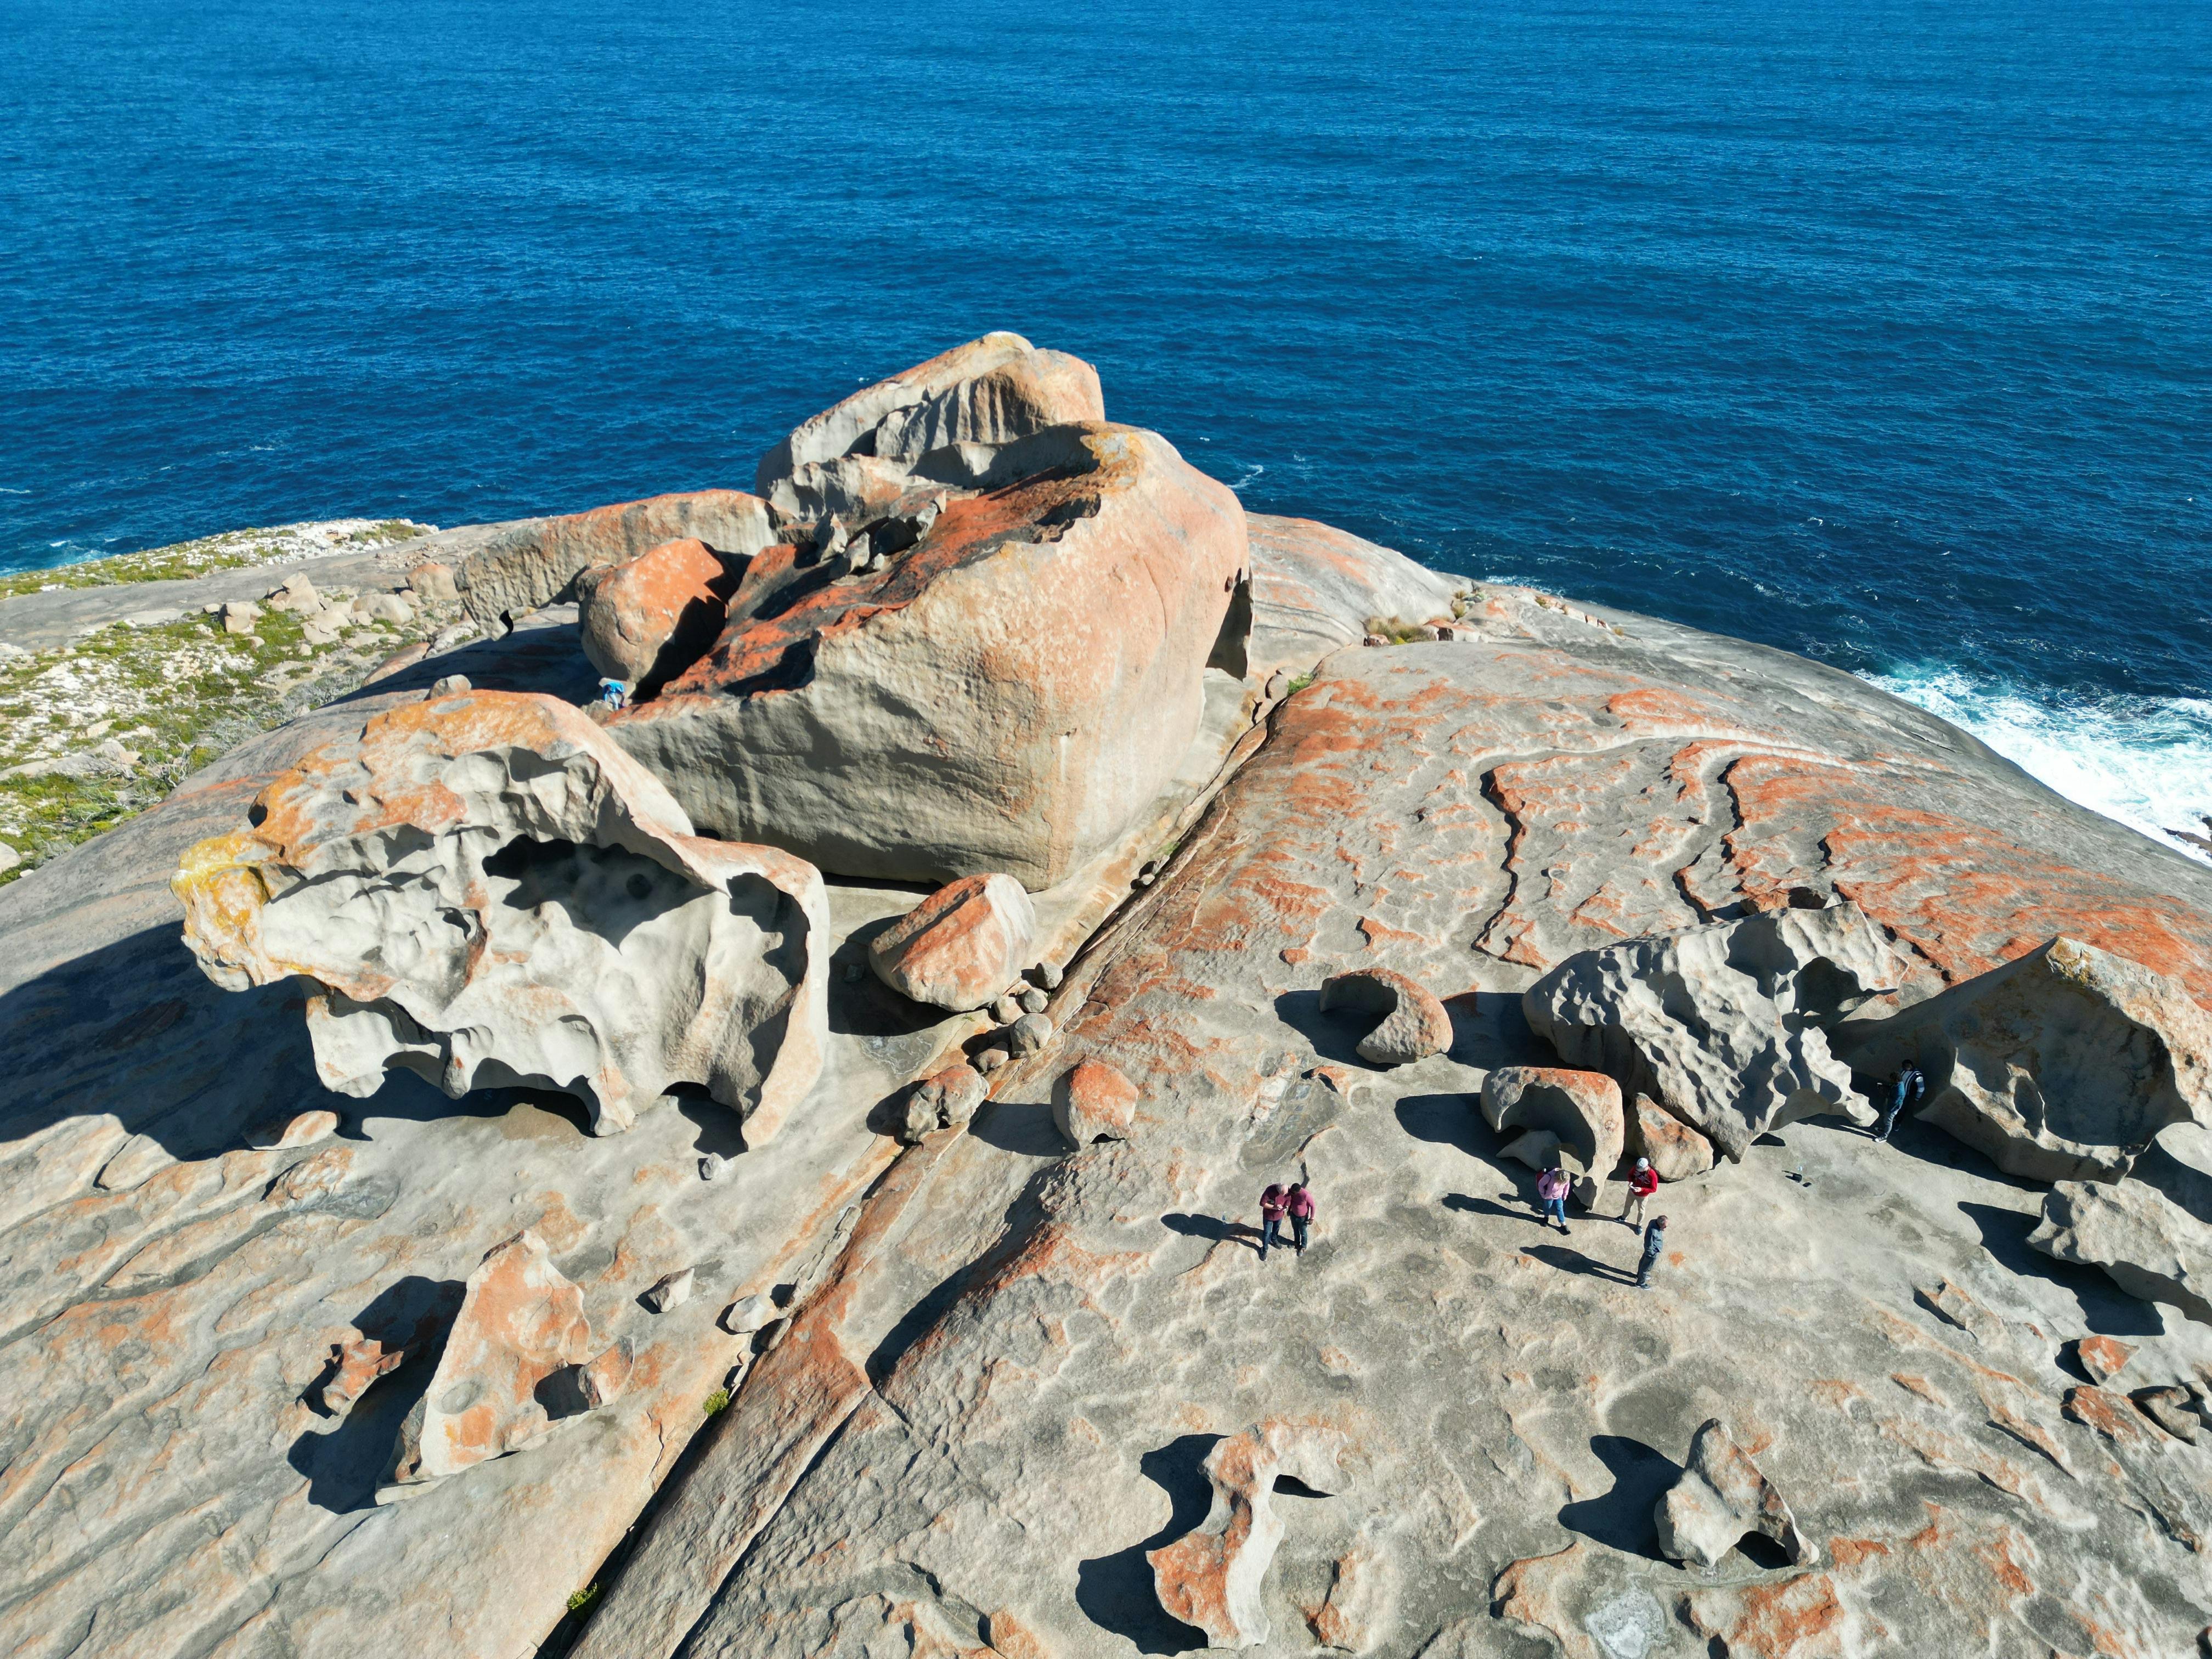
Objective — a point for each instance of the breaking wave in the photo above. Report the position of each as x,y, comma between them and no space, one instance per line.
2146,761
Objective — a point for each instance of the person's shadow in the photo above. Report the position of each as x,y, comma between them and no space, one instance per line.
1574,1262
1213,1228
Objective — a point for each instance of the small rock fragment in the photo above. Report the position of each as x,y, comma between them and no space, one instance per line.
750,1314
1093,1101
1007,1010
358,1363
2103,1358
1030,1033
2171,1407
9,858
240,615
946,1100
1720,1497
1414,1023
989,1060
304,1130
434,582
449,685
1954,1307
1034,1001
712,1166
387,607
602,1381
1277,685
295,593
1047,974
670,1291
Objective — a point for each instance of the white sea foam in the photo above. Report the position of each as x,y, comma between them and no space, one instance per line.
2146,761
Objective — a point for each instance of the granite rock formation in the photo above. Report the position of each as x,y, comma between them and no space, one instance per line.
1411,1024
1721,1496
652,616
484,890
2150,1246
961,946
1724,1025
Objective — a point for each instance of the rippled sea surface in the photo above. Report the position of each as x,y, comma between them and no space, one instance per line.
1880,332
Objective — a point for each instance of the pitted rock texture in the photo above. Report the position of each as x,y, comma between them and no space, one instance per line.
1413,1024
1724,1025
1721,1496
520,1322
533,562
961,946
646,620
1005,696
485,890
2150,1246
989,392
1582,1109
2062,1065
1210,1578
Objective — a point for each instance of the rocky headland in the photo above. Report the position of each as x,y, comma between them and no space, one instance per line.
769,1165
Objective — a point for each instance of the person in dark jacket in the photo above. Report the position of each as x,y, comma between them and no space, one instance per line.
1907,1091
1272,1202
1655,1246
1298,1203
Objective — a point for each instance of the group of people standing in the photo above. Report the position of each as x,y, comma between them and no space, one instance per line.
1293,1203
1554,1184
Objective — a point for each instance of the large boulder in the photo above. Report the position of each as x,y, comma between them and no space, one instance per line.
646,620
2148,1245
1676,1151
1411,1024
1720,1497
1582,1109
1725,1026
989,392
1006,693
535,562
520,1322
2062,1065
961,946
484,889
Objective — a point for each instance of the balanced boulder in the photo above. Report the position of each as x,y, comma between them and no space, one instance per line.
1412,1025
1723,1026
943,1100
1008,693
1676,1151
485,890
2062,1065
1093,1101
646,620
1581,1108
2147,1244
1720,1497
961,946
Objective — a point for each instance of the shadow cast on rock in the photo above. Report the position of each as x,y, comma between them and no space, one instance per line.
1211,1228
343,1465
1489,1029
1574,1262
1453,1121
1023,1127
2106,1309
1334,1037
1115,1592
1622,1519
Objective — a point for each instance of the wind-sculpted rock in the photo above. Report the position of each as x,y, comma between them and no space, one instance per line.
1007,694
1720,1497
486,891
1582,1109
520,1322
989,392
1211,1577
1723,1026
2061,1064
644,620
535,562
1414,1023
960,947
1676,1151
2149,1245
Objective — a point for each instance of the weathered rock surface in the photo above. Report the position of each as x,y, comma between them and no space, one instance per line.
1720,1497
960,947
1006,695
646,620
1582,1109
485,890
1724,1025
2103,1358
2061,1065
533,562
2172,1408
944,1100
2150,1246
1676,1151
1211,1577
1091,1102
520,1322
1413,1024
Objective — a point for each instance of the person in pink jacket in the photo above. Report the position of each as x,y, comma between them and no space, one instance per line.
1552,1189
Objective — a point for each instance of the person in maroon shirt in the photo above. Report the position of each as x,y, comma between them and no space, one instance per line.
1272,1205
1299,1203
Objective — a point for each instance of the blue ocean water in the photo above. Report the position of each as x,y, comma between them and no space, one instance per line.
1874,329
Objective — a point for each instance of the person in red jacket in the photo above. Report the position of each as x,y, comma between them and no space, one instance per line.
1272,1202
1641,1185
1300,1204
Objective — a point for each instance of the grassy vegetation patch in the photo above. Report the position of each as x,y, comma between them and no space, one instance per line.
212,553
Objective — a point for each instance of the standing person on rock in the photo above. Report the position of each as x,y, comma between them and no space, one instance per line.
1553,1186
1272,1203
1655,1246
1299,1203
1641,1184
1907,1091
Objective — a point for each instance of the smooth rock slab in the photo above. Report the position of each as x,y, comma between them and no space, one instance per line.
958,948
1676,1151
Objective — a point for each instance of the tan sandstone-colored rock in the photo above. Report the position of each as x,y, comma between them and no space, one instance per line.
535,562
959,947
602,1381
1676,1151
2149,1245
1582,1109
1093,1101
1211,1575
487,892
1720,1497
1723,1026
943,1100
520,1322
1414,1023
435,582
649,619
2061,1065
2103,1358
2172,1408
1006,695
354,1365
